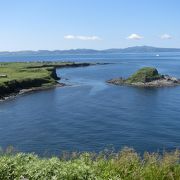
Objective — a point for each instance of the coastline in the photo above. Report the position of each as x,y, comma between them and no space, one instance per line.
16,87
146,77
30,90
153,84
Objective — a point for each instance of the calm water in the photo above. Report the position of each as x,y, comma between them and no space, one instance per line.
91,115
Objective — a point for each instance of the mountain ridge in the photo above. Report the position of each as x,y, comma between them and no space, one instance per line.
133,49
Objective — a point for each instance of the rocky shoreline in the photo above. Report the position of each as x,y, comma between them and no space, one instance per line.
12,88
143,79
30,90
164,82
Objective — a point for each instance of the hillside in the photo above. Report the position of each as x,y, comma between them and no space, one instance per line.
15,77
136,49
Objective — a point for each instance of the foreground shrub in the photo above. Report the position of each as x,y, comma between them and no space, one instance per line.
126,164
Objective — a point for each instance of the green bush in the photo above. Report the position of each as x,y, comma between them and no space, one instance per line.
126,165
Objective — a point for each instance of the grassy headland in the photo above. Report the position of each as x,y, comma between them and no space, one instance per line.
125,165
15,77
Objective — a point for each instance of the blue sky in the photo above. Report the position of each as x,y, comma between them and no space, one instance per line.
96,24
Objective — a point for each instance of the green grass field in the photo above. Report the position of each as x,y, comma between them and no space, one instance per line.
125,165
17,76
21,71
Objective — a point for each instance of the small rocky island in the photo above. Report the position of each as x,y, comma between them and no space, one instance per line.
147,77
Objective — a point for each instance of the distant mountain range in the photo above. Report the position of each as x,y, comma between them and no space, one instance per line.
135,49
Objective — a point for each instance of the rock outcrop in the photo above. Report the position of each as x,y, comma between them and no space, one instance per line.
147,77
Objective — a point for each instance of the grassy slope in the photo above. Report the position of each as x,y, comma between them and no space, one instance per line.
143,75
19,76
28,75
126,164
20,71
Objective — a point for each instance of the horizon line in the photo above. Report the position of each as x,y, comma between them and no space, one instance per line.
14,51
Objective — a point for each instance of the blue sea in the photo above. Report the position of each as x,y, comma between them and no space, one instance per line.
91,115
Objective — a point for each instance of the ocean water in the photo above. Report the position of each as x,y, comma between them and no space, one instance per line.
91,115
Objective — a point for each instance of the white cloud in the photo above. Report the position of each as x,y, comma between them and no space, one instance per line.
83,38
166,36
135,36
69,37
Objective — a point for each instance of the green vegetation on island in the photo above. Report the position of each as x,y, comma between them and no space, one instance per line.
125,165
144,75
147,77
17,76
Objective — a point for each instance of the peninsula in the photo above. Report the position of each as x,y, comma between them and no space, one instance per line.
147,77
20,77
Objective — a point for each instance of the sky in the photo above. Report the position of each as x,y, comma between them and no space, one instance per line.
93,24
